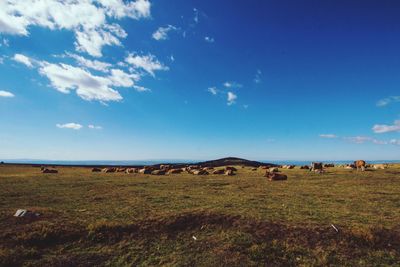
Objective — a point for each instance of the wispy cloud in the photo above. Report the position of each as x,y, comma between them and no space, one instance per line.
359,139
196,15
23,59
141,88
232,85
70,125
90,64
395,142
231,98
384,128
209,39
328,136
162,32
148,63
365,139
257,78
94,127
4,42
388,100
6,94
213,90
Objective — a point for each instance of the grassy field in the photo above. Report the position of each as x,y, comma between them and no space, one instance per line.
119,219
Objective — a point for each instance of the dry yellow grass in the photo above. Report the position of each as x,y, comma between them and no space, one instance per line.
131,219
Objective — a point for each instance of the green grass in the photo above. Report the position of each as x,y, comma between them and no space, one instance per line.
244,220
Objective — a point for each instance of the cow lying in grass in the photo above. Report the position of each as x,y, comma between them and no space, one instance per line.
274,176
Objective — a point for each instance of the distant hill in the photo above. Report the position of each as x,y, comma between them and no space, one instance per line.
233,161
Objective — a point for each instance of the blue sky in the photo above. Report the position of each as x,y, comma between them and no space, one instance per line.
135,80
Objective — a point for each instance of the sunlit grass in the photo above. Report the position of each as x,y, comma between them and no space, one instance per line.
108,219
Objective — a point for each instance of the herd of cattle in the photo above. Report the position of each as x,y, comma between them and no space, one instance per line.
169,169
272,173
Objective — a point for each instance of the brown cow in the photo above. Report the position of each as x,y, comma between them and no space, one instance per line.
158,172
273,169
145,171
131,170
360,165
109,170
275,176
380,166
175,171
227,168
199,172
229,173
49,171
316,166
96,170
220,171
329,165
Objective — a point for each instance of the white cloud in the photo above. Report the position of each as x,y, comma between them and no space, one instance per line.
209,39
328,136
23,59
232,85
122,79
383,128
4,42
94,127
257,78
6,94
395,142
88,19
141,88
379,142
213,90
148,63
71,125
90,64
387,101
365,139
196,15
358,139
119,9
92,41
231,98
162,32
65,78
